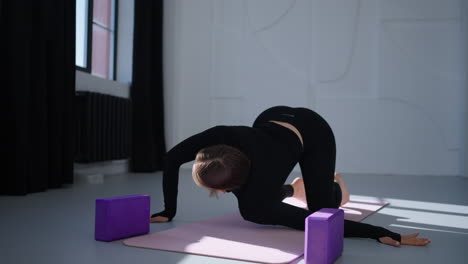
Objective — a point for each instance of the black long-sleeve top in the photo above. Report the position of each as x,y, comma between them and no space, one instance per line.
258,199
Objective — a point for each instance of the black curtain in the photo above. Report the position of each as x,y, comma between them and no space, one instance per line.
148,147
38,57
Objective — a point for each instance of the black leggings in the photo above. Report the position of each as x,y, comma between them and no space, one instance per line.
317,161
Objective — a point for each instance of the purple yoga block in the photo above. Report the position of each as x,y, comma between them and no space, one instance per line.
121,217
324,234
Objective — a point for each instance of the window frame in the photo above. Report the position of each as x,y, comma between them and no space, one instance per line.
89,44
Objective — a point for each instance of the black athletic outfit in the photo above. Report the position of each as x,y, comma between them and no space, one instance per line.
273,151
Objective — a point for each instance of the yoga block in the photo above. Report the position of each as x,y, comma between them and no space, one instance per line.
121,217
324,235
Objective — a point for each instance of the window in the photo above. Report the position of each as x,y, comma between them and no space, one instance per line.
81,59
96,37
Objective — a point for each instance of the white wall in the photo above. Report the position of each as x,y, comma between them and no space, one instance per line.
464,158
172,73
125,41
386,74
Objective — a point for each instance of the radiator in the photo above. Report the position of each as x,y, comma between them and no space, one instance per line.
102,127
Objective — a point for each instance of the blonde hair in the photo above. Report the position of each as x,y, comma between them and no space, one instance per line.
220,167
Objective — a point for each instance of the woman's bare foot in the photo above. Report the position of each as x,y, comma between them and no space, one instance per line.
159,219
344,190
299,190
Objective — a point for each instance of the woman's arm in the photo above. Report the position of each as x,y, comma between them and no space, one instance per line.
184,152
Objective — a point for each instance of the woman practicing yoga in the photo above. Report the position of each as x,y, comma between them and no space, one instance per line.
254,162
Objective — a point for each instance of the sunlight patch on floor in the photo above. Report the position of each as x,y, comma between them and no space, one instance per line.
420,212
421,205
429,229
427,218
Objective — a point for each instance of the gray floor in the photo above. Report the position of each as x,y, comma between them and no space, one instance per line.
57,226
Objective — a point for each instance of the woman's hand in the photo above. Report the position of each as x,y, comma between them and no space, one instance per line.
412,240
159,219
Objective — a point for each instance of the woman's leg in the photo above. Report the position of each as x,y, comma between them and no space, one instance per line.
286,191
318,161
317,172
345,195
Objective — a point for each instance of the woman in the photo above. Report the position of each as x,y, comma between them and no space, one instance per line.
254,162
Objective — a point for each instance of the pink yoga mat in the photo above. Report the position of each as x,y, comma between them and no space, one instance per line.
231,237
355,210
